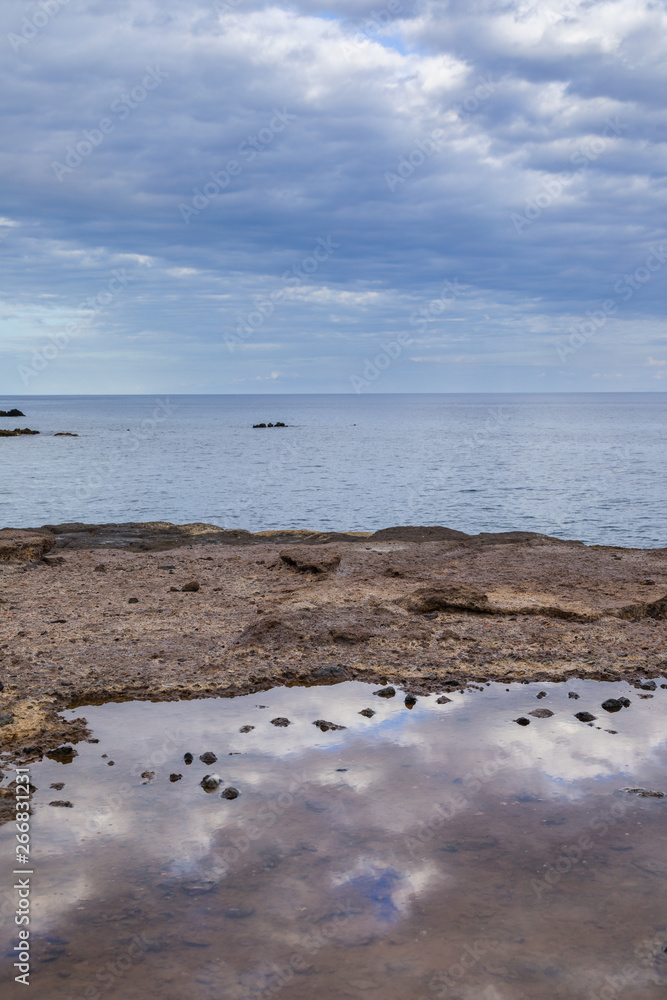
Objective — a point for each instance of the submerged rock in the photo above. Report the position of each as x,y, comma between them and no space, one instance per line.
644,793
326,726
573,694
410,701
585,717
386,692
65,803
612,705
368,712
230,793
541,713
208,758
188,758
175,777
522,721
246,729
281,721
210,782
443,700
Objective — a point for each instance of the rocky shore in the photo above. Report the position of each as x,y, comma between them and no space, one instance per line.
161,611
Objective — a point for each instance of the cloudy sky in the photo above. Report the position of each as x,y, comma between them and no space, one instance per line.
241,196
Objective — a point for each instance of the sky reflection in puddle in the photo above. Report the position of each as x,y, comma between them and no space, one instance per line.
442,851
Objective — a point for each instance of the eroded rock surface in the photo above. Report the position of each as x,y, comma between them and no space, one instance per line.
418,608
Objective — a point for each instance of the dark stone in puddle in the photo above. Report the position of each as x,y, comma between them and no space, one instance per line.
612,705
387,692
368,712
522,721
230,793
175,777
584,717
541,694
62,802
541,713
188,758
148,775
442,700
210,782
281,721
208,757
64,753
644,793
246,729
573,694
625,702
410,701
326,726
647,685
341,769
58,785
239,912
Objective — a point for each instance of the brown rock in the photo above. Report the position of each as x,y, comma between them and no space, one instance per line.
458,597
311,559
17,545
190,588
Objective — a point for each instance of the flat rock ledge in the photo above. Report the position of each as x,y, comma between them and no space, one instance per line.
162,611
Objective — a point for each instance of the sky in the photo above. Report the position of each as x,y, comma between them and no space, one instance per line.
246,197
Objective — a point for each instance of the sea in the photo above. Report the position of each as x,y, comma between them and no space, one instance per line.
585,466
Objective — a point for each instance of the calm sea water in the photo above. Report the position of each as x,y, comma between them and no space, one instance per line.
588,466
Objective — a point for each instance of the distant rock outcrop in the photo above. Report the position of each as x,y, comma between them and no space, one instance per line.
16,432
278,423
11,413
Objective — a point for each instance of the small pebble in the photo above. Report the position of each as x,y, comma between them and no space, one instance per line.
442,700
230,793
410,701
522,721
188,758
175,777
246,729
584,717
208,758
387,692
280,721
368,712
133,600
573,694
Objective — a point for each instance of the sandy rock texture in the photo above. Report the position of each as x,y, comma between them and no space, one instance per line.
104,615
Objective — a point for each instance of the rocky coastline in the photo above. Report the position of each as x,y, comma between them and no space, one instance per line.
91,613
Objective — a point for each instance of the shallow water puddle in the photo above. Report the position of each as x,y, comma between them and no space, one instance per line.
439,851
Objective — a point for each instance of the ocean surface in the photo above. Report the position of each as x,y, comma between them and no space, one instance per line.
585,466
